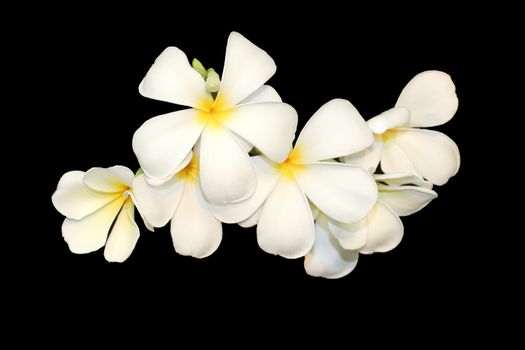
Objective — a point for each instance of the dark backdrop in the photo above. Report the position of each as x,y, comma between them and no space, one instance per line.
87,91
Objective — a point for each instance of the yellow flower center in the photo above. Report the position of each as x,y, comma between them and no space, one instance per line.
214,112
389,135
191,171
292,165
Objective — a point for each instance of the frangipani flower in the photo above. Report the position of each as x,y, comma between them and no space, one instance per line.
194,230
337,245
224,124
98,203
429,99
344,192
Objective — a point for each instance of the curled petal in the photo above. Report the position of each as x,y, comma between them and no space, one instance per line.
327,258
115,179
124,235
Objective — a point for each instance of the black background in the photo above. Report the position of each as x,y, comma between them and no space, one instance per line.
89,69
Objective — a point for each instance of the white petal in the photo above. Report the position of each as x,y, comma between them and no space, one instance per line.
158,181
194,230
385,230
268,126
124,235
428,153
267,177
286,225
335,130
146,222
226,173
265,93
162,143
246,68
344,192
350,236
327,258
75,200
172,79
392,118
157,203
252,220
90,233
431,98
399,179
115,179
405,200
369,157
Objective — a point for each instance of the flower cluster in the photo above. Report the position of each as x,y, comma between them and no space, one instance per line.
230,158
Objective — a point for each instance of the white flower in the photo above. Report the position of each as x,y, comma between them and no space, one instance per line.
194,230
337,245
280,206
429,99
91,201
227,125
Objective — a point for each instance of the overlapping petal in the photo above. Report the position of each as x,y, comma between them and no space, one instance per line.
428,153
335,130
327,258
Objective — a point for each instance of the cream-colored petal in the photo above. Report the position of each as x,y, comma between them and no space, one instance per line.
115,179
75,200
91,232
123,236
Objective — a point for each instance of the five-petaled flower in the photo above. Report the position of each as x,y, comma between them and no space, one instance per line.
227,124
194,229
98,203
285,224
